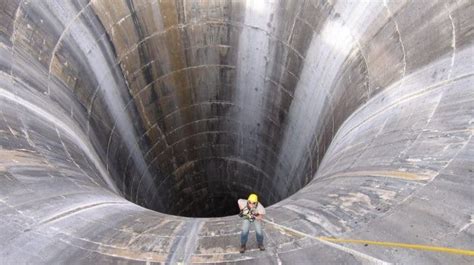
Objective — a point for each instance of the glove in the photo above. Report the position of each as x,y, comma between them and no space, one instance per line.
244,213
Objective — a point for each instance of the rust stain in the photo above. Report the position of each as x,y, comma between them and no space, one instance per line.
169,12
132,254
428,175
23,158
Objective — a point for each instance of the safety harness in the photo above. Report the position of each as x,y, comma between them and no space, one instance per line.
249,214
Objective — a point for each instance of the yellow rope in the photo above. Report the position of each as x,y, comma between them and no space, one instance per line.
456,251
402,245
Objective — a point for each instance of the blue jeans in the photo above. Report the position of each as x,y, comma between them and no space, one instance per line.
244,235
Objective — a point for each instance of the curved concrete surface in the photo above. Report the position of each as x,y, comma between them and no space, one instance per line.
353,120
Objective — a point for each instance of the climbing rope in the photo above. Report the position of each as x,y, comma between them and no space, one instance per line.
376,243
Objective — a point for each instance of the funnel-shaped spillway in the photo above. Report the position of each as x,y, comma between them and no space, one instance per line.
124,122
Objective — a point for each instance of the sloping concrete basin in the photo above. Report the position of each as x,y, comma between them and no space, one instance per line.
128,130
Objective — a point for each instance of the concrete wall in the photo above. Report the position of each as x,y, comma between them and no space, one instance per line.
351,119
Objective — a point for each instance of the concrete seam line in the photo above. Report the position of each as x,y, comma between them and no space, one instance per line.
72,212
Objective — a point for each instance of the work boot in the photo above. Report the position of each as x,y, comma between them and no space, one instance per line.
242,248
261,247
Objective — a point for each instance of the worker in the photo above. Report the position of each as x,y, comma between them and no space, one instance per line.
251,211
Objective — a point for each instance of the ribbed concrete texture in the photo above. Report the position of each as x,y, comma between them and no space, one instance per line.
129,129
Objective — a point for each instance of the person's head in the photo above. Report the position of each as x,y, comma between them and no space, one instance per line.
252,200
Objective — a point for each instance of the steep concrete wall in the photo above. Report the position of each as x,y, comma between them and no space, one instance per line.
352,120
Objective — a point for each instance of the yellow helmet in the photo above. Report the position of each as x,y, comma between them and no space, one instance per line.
253,198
